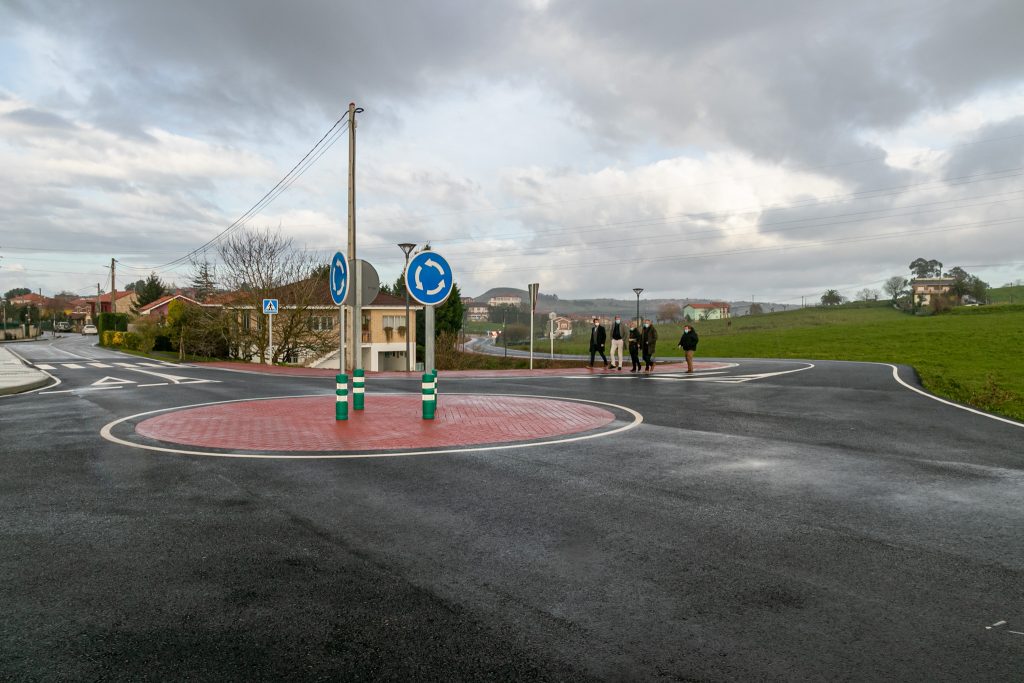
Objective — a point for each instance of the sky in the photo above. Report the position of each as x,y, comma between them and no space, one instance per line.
727,150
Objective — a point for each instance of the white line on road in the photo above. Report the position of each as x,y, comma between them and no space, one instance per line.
40,366
158,384
98,365
998,623
71,391
72,366
896,376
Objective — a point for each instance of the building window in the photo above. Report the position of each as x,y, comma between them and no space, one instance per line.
321,323
395,321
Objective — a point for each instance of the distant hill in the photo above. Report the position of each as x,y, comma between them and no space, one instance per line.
623,307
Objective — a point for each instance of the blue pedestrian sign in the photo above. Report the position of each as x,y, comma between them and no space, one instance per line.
339,278
270,306
429,278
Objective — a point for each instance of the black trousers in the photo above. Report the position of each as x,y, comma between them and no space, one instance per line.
594,348
648,360
634,354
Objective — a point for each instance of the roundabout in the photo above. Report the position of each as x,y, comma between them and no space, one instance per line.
304,427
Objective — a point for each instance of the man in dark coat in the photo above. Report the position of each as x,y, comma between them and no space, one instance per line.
648,342
597,339
688,343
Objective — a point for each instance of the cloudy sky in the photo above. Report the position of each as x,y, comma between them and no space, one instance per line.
718,149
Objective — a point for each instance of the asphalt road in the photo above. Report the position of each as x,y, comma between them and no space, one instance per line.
825,523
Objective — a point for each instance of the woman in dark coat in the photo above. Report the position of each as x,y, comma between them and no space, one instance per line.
633,341
688,343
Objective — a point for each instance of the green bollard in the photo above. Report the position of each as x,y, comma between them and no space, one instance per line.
437,394
341,397
358,389
429,403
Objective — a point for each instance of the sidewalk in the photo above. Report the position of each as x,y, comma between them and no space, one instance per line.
16,377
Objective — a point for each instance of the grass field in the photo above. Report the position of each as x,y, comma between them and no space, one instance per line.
1006,295
970,355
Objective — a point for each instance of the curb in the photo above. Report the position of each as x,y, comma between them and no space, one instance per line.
22,388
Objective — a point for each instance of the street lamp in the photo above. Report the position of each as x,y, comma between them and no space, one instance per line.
407,247
637,291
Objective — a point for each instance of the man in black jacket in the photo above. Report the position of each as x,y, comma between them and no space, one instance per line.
597,339
648,344
688,343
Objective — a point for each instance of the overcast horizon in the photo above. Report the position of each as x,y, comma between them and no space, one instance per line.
698,150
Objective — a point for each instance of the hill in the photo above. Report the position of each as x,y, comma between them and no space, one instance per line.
1007,295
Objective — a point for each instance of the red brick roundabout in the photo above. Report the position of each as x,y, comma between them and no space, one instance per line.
390,423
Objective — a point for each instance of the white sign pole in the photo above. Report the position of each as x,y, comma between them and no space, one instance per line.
270,349
341,339
551,332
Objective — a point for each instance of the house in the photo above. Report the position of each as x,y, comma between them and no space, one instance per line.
512,300
923,289
158,309
124,304
30,299
384,327
716,310
477,312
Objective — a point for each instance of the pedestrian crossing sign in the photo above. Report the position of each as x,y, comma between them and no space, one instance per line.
270,306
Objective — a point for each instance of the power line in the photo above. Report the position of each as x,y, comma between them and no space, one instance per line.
283,184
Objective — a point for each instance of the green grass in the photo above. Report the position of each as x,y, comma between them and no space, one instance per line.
1007,295
970,355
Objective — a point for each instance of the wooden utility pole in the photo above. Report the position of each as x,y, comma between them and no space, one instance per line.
113,289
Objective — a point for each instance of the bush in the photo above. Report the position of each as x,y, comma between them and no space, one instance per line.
106,338
131,340
162,342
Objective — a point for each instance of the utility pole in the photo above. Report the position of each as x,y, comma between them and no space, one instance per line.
357,308
113,289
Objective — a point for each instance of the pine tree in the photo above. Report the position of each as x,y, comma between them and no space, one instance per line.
151,290
204,280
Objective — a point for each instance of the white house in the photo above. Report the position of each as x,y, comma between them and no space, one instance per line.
716,310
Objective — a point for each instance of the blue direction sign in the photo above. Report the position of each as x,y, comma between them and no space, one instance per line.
429,278
339,278
270,306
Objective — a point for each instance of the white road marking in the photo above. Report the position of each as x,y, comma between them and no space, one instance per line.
99,365
112,380
158,384
176,379
896,376
106,433
1016,633
40,366
125,365
72,391
72,366
998,623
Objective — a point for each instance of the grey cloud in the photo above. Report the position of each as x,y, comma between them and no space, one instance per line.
36,118
998,147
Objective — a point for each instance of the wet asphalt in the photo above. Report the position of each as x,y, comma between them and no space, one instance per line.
822,524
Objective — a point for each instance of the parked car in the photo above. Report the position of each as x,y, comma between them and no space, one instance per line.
62,326
90,329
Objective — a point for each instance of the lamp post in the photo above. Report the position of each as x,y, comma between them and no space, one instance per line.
504,337
637,291
407,247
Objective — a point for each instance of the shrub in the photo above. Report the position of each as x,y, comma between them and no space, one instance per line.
106,338
117,339
131,340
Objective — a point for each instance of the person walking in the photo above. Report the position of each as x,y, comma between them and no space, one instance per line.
618,339
688,343
634,347
597,340
648,342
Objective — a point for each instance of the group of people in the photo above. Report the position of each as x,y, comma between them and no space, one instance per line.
640,342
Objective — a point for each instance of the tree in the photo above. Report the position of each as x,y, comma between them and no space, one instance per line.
151,290
831,297
447,316
261,264
895,287
926,268
669,312
756,309
867,294
204,279
17,291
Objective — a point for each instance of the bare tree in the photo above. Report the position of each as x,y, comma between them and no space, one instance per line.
261,264
669,312
867,294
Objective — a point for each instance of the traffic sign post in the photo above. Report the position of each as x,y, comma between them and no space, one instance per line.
270,309
338,285
534,286
429,279
551,331
365,288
